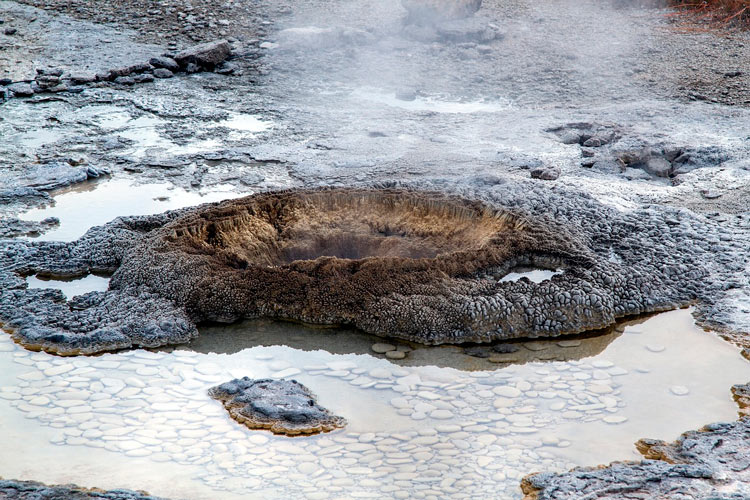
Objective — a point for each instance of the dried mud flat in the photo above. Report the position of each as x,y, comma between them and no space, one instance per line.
624,154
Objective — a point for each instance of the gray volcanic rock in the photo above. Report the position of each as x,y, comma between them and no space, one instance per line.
12,227
32,490
281,406
58,174
21,89
709,463
205,56
165,62
545,173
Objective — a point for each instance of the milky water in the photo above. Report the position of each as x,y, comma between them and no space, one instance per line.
417,103
143,419
71,287
95,203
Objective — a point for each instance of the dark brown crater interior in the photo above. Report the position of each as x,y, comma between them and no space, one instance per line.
345,225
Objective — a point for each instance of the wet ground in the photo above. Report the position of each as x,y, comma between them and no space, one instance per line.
350,96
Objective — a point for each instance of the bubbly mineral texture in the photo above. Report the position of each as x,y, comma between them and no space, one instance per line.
31,490
281,406
711,463
412,264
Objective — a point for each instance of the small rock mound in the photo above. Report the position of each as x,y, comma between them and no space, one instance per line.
281,406
32,490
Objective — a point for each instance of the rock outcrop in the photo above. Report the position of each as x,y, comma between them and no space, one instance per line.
709,463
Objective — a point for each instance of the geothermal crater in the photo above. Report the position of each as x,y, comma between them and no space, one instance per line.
417,265
406,263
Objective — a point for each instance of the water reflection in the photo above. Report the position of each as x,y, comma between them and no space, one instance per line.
90,204
233,338
71,287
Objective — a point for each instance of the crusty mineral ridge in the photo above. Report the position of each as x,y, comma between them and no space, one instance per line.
281,406
406,263
420,266
428,11
711,463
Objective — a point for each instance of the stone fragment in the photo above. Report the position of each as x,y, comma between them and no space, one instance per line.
204,56
395,355
679,390
162,73
21,89
164,62
545,173
383,348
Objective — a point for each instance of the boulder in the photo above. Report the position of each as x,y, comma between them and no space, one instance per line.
206,55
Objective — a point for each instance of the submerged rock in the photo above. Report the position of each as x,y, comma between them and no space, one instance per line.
281,406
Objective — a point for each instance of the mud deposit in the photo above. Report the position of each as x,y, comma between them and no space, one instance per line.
446,220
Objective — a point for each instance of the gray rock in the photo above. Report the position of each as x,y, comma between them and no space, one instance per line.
13,228
504,348
205,56
125,80
162,73
545,173
659,167
477,352
21,89
165,62
143,78
83,77
281,406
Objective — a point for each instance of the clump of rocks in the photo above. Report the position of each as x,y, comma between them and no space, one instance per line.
606,146
32,490
587,134
281,406
708,463
212,56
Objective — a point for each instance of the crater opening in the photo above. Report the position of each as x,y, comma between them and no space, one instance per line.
348,225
